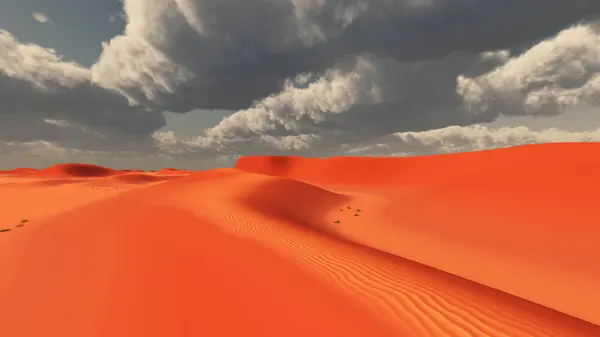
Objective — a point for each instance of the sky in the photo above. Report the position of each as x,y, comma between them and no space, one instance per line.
196,84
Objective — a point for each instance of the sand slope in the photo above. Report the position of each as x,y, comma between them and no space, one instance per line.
232,253
522,219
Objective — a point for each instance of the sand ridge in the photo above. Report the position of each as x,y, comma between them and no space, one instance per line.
288,246
510,218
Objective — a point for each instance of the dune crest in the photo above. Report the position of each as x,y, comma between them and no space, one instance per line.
291,200
20,170
143,178
428,170
75,171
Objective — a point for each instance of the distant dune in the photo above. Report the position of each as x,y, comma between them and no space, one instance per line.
141,178
18,171
491,243
75,170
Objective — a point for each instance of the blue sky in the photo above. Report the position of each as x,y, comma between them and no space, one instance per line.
78,27
423,83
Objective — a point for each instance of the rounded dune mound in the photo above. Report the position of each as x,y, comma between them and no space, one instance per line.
127,283
292,201
76,171
20,170
141,178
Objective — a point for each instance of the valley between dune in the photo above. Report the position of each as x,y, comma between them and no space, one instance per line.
491,243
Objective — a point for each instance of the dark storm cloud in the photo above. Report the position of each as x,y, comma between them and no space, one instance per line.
227,54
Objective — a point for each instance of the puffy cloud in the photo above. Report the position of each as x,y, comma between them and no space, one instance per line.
545,80
41,17
212,54
36,85
444,140
366,98
373,68
379,96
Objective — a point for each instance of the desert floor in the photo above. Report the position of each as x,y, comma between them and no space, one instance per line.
492,243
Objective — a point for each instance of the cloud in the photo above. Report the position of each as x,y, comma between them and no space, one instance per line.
116,16
40,154
175,152
36,85
185,153
373,68
303,76
186,54
470,138
41,17
356,101
545,80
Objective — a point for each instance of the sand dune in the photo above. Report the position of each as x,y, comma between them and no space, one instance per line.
74,170
17,171
470,244
522,219
143,178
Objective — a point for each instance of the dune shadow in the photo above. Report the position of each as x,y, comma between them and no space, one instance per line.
141,178
296,202
57,182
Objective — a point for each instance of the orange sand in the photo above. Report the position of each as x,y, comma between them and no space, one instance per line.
493,243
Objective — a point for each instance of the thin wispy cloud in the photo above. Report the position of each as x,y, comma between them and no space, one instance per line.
116,16
41,17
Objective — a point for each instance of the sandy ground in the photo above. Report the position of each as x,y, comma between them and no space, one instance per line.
493,243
